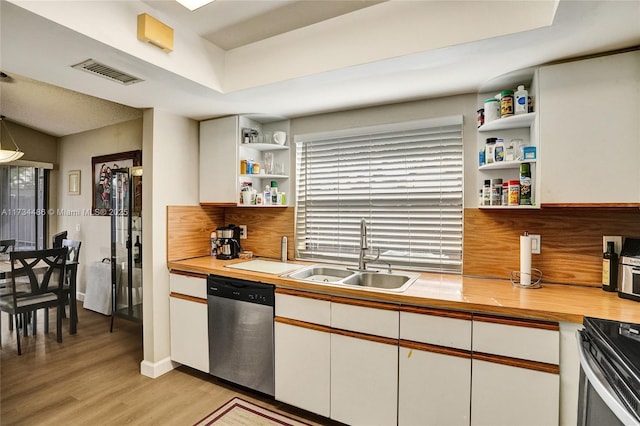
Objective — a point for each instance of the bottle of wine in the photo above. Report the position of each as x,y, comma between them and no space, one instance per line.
610,268
137,251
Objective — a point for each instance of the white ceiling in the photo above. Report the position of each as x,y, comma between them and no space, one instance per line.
282,58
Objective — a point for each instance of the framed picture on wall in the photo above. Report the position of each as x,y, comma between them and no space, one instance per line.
74,182
102,186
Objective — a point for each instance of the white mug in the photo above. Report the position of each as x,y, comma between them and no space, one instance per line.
279,137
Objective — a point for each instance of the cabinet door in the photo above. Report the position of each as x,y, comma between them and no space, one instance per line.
364,381
589,130
508,395
433,388
302,367
219,160
189,331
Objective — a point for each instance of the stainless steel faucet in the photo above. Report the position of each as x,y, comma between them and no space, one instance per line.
364,246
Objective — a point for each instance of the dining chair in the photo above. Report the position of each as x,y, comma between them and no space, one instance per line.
56,240
44,270
70,283
7,245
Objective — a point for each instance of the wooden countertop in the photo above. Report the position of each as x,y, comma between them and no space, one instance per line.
493,296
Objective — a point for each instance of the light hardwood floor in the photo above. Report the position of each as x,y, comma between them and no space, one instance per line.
93,378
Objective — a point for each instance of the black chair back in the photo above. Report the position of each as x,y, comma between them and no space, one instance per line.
44,269
7,245
74,250
58,238
40,274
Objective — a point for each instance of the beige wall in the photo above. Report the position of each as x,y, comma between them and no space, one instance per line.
75,152
406,111
171,173
36,146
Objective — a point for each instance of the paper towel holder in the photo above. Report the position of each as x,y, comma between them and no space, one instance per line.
526,277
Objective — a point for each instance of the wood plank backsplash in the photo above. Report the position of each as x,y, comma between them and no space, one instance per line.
189,229
571,237
265,228
571,250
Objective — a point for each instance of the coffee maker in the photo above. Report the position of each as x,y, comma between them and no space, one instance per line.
227,243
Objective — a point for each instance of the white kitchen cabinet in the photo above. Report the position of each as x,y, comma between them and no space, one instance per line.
364,380
219,165
302,367
516,378
590,131
222,148
364,362
509,395
434,379
302,350
188,320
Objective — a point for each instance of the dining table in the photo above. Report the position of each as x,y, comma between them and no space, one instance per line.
71,269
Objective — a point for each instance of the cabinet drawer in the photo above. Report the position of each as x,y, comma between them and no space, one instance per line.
378,319
436,327
304,307
524,339
188,284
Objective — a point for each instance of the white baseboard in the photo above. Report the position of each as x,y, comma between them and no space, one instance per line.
157,369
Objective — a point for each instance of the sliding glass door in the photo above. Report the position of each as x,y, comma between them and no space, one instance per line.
23,195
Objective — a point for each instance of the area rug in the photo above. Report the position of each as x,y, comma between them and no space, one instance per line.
239,412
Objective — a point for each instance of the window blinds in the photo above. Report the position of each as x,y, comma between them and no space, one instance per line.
405,180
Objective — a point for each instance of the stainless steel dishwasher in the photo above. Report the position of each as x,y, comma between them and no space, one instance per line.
241,332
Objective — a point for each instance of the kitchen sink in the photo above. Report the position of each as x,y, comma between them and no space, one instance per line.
365,280
380,280
323,274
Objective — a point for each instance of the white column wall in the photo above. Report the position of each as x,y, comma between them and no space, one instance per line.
170,161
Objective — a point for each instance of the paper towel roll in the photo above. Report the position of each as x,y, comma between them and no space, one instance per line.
525,260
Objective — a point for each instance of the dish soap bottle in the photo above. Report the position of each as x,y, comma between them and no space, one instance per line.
610,268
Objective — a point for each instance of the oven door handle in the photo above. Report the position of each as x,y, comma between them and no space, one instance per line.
600,384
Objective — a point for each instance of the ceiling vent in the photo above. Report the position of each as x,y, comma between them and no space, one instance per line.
107,72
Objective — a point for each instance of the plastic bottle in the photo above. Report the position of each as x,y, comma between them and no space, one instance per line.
491,110
505,193
486,193
266,197
610,268
514,192
489,150
506,103
499,150
496,192
521,101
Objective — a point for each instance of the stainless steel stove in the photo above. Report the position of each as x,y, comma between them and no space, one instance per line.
610,373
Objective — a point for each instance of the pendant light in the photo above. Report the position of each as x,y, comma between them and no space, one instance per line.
7,155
